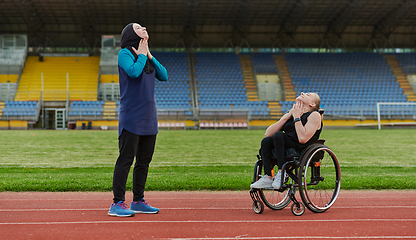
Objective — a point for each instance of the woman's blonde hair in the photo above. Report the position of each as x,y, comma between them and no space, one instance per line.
317,102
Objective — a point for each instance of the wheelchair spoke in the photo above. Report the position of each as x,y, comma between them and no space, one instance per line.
321,179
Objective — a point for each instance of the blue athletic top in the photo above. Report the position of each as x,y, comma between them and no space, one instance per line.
138,113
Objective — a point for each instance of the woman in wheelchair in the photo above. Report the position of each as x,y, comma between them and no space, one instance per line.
297,129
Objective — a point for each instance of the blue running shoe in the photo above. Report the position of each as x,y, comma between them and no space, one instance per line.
120,209
143,207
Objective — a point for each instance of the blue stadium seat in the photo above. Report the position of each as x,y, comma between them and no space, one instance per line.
347,79
220,81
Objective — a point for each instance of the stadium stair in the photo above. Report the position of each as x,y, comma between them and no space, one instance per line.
290,94
110,111
248,77
225,91
401,77
275,110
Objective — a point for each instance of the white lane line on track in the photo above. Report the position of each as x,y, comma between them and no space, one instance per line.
102,209
212,221
184,208
107,200
302,237
214,198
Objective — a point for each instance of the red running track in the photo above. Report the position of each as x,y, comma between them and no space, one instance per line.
205,215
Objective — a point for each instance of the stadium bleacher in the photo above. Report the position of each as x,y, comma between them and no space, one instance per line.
8,78
263,63
86,108
221,86
349,84
82,78
20,109
174,94
109,78
407,62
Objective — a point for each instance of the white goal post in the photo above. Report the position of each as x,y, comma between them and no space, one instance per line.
389,103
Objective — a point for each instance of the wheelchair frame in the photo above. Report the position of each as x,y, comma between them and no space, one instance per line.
304,173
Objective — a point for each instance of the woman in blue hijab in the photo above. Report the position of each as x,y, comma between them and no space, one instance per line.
138,70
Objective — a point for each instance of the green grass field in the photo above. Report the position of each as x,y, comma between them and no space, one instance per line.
193,160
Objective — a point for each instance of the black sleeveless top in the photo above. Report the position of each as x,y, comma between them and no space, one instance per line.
290,131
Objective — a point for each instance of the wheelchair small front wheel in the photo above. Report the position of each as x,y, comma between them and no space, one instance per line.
298,210
258,207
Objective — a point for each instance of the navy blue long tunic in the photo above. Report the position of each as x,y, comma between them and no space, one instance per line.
138,113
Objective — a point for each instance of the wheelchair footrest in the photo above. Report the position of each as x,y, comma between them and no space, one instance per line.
254,194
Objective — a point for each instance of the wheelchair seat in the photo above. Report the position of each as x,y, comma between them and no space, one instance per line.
291,154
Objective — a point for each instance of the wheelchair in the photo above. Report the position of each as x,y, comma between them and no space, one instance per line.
315,172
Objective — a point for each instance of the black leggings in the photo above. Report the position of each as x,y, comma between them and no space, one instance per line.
130,146
278,143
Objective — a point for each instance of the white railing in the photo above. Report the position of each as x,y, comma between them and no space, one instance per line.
7,91
109,92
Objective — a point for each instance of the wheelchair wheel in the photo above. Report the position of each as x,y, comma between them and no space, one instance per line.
319,178
258,207
298,211
272,198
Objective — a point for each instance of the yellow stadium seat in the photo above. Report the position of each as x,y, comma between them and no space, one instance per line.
82,79
109,78
8,78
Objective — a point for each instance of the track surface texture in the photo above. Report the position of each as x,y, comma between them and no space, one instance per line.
204,215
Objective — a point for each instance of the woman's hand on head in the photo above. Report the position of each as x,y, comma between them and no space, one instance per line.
143,48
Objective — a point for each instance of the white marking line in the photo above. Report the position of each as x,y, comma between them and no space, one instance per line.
179,208
107,200
214,199
303,237
213,221
103,209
